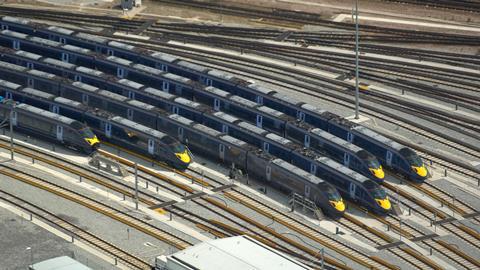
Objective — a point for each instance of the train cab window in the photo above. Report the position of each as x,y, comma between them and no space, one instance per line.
4,27
78,78
208,82
16,45
110,52
120,72
130,114
131,95
259,121
29,65
378,193
369,159
9,95
84,99
65,57
216,104
30,82
332,194
412,158
63,41
165,86
259,99
266,147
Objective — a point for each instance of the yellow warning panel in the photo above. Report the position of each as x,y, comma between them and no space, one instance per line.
161,211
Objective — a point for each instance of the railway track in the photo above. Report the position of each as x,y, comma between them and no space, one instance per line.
78,233
469,6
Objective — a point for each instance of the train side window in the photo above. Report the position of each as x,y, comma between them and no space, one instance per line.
225,129
110,52
266,147
4,27
259,99
9,95
108,130
208,82
30,82
16,45
306,141
130,114
349,137
29,65
85,99
63,41
131,95
313,169
259,121
301,116
175,109
78,78
216,104
65,57
120,72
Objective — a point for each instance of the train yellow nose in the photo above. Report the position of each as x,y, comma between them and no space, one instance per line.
379,173
184,157
339,205
385,203
421,171
92,141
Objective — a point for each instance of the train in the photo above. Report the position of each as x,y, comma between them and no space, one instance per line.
392,155
49,126
264,117
358,188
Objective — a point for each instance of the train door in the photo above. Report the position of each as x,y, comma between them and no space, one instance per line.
346,159
120,72
259,99
225,129
129,114
268,172
151,146
301,116
306,141
388,158
55,109
8,95
59,133
313,169
352,190
266,147
216,104
349,137
221,151
180,133
13,117
108,130
307,191
208,82
131,95
175,109
259,121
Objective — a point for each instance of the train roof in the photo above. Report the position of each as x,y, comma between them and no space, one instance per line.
227,117
252,128
261,89
271,111
181,119
85,86
164,56
76,49
279,139
147,69
13,66
9,85
312,108
18,20
342,169
70,103
207,130
93,38
217,91
37,93
336,140
177,78
243,101
59,63
42,74
28,55
140,104
375,136
121,45
189,103
112,95
60,30
119,60
288,99
138,127
89,71
46,114
233,141
192,66
130,83
220,74
159,93
14,34
297,171
44,41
